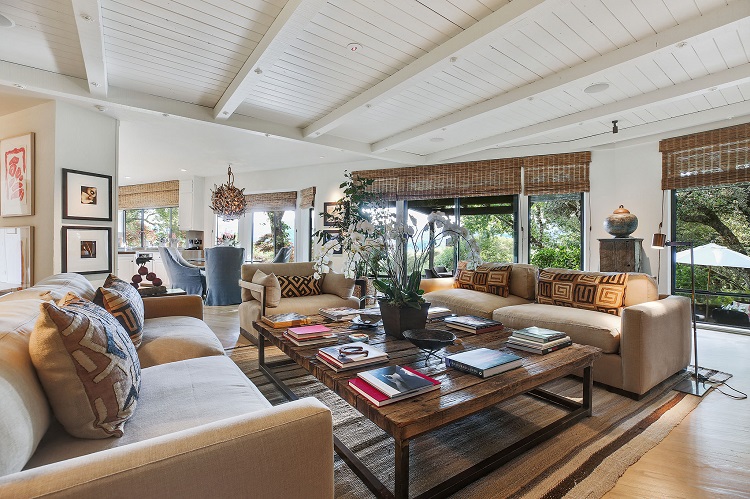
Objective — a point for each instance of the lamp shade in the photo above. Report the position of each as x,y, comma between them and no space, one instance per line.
659,241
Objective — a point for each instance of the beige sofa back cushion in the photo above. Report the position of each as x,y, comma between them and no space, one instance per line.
24,411
640,288
293,268
523,280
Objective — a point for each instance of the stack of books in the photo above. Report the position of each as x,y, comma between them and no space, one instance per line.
316,334
538,340
483,362
337,314
393,383
350,356
285,320
437,314
473,324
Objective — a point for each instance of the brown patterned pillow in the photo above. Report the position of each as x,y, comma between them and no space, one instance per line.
603,293
121,299
298,285
87,365
489,278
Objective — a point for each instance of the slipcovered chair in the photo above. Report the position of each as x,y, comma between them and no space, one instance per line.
190,278
223,273
283,255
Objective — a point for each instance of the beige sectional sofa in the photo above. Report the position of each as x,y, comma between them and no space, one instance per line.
336,292
646,344
200,429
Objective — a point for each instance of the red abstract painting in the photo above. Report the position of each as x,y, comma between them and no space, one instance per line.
15,173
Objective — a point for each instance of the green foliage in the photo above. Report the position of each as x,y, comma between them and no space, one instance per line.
555,231
565,257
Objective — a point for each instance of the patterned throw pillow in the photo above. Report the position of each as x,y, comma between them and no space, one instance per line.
87,365
603,293
489,278
123,301
297,285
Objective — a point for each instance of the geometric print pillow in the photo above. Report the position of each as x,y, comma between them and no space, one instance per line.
603,293
121,299
489,278
87,365
298,285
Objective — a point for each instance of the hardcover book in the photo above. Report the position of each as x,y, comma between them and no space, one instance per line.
541,351
339,360
339,313
483,362
329,339
472,323
539,334
394,381
285,320
380,399
315,330
535,344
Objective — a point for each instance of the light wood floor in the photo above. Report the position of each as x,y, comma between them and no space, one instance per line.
706,456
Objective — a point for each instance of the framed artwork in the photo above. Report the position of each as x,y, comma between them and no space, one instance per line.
87,250
331,235
87,196
17,176
330,215
16,257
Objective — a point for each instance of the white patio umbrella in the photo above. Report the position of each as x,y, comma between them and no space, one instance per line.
714,255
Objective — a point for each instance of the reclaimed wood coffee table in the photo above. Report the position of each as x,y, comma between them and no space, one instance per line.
459,396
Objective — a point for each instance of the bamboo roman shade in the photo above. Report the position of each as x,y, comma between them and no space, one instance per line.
707,158
307,198
556,173
469,179
153,195
272,201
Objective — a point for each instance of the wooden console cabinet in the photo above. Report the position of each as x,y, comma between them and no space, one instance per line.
620,254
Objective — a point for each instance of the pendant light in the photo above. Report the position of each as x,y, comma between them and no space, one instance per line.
227,201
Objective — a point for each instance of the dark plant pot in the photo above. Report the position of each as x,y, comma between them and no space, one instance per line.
397,319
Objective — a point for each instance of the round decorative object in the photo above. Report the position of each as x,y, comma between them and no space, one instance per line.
135,285
227,201
136,278
151,276
359,337
430,339
143,270
157,281
621,223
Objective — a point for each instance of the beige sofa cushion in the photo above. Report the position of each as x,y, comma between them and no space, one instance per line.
87,365
174,396
523,280
170,339
337,284
587,327
470,302
273,289
68,282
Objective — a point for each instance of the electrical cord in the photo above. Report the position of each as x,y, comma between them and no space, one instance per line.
716,384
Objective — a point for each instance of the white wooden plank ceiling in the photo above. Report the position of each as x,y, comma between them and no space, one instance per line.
430,81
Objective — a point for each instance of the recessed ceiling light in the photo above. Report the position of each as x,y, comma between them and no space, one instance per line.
596,88
437,139
354,47
322,157
100,108
128,178
6,22
183,170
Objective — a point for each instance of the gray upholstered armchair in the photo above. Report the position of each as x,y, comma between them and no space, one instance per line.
190,278
223,270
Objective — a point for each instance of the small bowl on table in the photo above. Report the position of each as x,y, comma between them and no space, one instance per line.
430,340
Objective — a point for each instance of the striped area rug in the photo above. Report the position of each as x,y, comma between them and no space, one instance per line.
583,461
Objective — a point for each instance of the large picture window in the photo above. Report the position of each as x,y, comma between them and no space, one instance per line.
150,228
555,230
273,236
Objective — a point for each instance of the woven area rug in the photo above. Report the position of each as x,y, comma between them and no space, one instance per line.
583,461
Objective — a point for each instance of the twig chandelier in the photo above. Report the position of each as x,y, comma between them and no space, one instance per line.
227,201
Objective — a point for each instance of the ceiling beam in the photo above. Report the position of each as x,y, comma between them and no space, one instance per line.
585,72
88,16
505,18
73,89
733,76
287,27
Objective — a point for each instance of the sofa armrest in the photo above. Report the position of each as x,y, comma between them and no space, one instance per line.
167,306
655,341
253,455
255,287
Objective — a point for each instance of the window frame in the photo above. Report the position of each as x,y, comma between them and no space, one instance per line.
142,218
527,234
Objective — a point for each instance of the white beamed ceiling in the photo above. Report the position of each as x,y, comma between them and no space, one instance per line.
434,80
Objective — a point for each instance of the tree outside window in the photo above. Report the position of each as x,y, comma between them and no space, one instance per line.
152,227
272,230
555,228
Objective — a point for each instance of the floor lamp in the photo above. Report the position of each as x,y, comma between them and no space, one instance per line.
692,386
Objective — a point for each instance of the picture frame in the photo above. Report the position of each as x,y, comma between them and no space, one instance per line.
330,235
330,217
87,196
87,250
16,258
17,176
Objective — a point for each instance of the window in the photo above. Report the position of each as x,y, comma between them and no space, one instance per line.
719,215
150,228
227,232
555,230
272,231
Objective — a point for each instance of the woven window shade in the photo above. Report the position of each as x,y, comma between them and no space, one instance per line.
469,179
307,198
556,173
708,158
272,201
153,195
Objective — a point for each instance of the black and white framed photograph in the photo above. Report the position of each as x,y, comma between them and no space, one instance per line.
87,196
87,250
331,235
331,214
